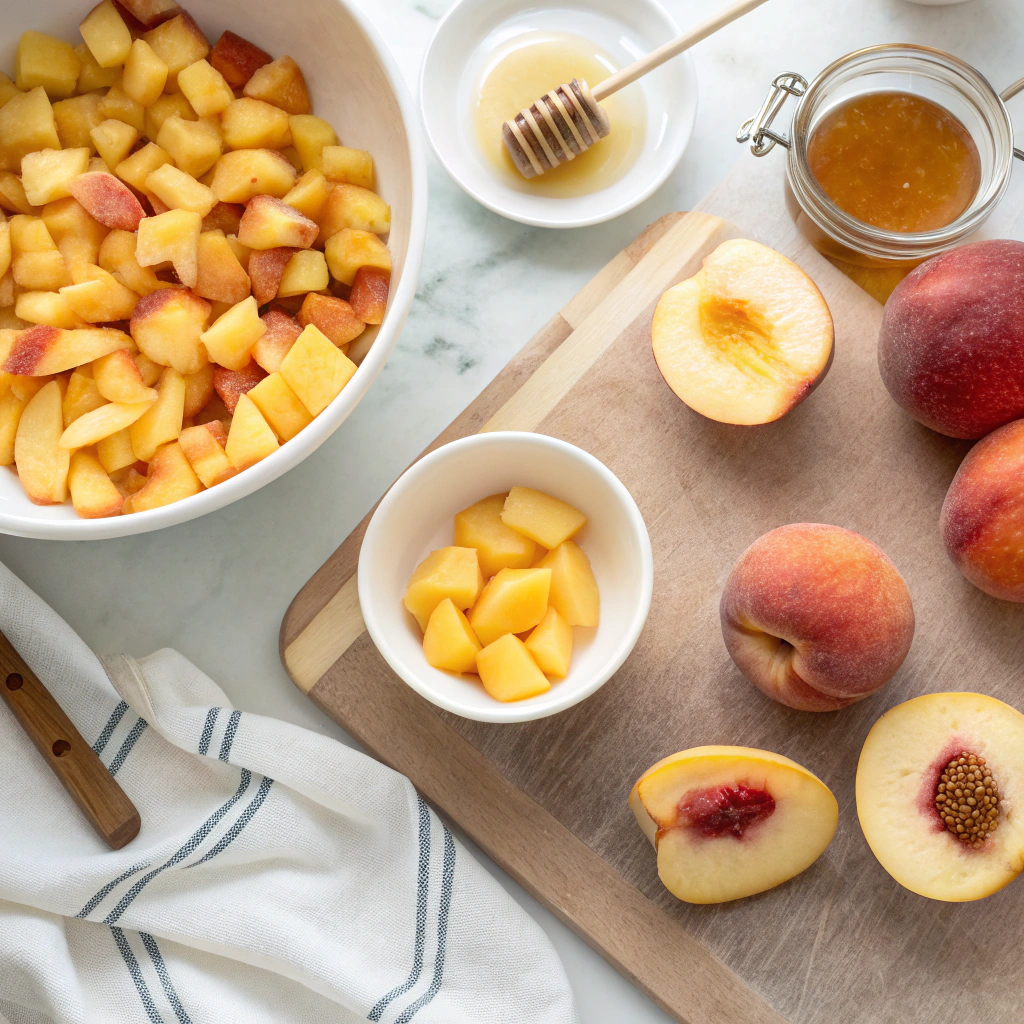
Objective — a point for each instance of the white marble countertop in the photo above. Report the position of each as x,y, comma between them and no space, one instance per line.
216,588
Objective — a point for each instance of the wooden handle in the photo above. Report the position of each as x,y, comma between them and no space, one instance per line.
672,49
73,761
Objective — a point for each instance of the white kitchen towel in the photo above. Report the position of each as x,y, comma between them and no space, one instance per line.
279,876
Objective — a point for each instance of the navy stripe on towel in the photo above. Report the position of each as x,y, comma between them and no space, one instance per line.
204,740
422,888
165,979
136,972
108,730
229,735
189,848
126,748
442,929
107,889
244,818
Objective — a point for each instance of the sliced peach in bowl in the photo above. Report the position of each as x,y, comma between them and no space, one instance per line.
729,822
745,339
939,781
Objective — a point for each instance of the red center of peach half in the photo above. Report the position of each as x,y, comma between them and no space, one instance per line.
725,810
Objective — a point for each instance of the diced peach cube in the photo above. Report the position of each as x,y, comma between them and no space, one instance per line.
316,370
205,88
26,125
41,351
165,107
219,275
47,174
540,517
229,340
224,217
119,106
351,206
75,232
498,546
48,308
206,454
230,385
167,325
75,118
161,422
151,12
250,438
100,298
253,124
170,478
351,166
574,593
508,671
266,268
310,134
115,451
145,74
333,317
8,90
171,236
514,601
47,62
117,255
244,173
178,43
450,572
118,378
107,200
550,643
281,83
195,146
369,295
41,462
81,396
280,406
113,141
106,35
12,194
269,223
237,59
198,390
137,167
180,191
282,330
350,249
92,76
309,194
93,493
449,642
305,272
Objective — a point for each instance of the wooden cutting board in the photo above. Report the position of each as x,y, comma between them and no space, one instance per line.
547,800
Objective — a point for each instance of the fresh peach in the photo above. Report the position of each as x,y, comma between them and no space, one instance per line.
982,518
938,783
513,601
816,616
451,572
729,822
951,345
745,339
498,546
508,671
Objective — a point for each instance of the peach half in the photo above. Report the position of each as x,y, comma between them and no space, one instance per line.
729,822
938,783
745,339
816,616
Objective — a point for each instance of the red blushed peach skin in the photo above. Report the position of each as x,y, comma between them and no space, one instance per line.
899,780
982,518
816,616
745,339
729,822
951,345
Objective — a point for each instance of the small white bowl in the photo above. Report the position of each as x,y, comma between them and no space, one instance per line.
356,85
415,517
473,29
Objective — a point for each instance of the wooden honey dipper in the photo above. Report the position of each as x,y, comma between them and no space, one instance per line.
569,120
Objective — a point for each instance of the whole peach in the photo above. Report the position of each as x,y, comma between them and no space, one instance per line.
982,517
816,616
951,345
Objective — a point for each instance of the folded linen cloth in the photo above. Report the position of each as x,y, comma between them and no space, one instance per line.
279,875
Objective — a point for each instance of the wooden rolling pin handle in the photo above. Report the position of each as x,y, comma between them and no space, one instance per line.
72,760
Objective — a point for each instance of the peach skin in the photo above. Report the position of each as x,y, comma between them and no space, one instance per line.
816,616
982,519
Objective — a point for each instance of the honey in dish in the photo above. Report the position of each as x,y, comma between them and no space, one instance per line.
895,160
527,67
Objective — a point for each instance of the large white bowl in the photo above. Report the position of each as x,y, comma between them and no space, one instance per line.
472,30
355,85
416,516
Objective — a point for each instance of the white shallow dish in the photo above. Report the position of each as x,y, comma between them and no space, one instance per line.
356,85
415,517
458,53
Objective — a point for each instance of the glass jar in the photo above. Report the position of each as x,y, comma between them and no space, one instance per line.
920,70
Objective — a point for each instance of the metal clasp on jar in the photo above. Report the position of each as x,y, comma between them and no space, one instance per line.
758,129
